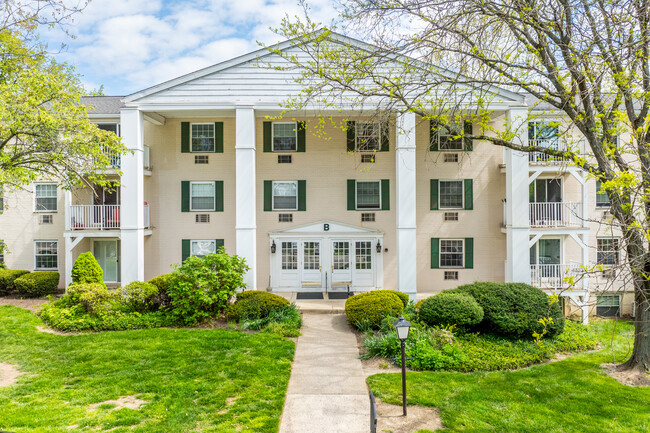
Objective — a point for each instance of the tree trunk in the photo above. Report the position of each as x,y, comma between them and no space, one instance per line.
641,353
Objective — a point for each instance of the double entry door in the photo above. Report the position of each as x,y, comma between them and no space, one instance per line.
326,264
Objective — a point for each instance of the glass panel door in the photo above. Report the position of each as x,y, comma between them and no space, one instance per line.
107,254
311,264
341,271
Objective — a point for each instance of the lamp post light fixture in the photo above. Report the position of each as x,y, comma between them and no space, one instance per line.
403,327
273,248
378,247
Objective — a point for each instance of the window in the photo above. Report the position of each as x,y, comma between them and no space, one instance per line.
607,251
451,157
46,255
449,137
202,196
368,136
202,248
285,195
608,305
602,199
451,216
363,255
311,254
542,134
45,197
285,136
451,194
368,194
111,127
202,137
289,255
451,253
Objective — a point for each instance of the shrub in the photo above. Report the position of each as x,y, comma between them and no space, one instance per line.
451,309
86,269
95,298
138,295
285,322
372,307
7,278
514,309
162,300
401,295
255,304
202,286
37,284
418,305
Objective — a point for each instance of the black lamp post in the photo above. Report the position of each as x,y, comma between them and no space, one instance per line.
403,327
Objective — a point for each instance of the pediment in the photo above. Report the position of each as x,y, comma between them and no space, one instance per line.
326,227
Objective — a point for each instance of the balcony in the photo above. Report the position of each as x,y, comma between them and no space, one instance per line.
115,159
99,217
540,158
555,214
553,277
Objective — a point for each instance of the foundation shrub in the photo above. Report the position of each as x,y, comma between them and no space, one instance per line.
255,304
451,309
162,300
37,284
86,269
284,321
513,310
7,278
95,298
370,308
402,296
138,296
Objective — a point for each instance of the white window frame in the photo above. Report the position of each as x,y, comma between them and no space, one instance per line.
609,295
56,197
214,138
617,252
356,190
295,132
602,205
294,182
448,128
462,253
118,131
203,240
357,128
462,188
214,196
35,254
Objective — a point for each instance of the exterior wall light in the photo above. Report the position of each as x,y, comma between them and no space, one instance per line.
378,247
273,248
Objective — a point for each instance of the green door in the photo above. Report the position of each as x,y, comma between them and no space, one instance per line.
107,254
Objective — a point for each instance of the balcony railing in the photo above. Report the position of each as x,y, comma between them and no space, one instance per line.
99,217
553,277
558,214
542,158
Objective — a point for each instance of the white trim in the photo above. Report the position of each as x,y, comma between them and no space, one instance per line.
118,127
214,195
56,197
214,137
462,266
617,251
56,241
356,206
295,131
462,185
273,182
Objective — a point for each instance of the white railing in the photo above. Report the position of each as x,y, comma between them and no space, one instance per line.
541,157
553,277
147,221
558,214
94,217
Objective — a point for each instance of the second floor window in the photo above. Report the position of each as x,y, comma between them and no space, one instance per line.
368,136
202,196
368,195
202,137
451,194
542,134
285,136
602,199
45,196
285,195
607,251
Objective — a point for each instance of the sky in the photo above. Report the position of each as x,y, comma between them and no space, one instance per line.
129,45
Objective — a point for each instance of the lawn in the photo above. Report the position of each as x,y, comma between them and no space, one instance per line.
206,380
572,395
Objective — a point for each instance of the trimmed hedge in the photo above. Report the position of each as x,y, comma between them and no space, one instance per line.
7,278
371,308
37,284
255,304
138,295
401,295
513,309
86,270
451,309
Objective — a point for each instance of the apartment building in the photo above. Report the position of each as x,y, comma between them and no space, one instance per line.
356,203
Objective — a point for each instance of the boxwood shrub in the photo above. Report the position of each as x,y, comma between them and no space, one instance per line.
7,278
370,308
513,309
401,295
86,269
255,304
37,284
451,309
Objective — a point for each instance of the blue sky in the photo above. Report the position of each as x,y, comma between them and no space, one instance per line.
128,45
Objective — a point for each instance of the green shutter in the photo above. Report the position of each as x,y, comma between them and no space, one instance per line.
185,137
268,138
469,143
434,194
351,131
352,205
218,195
435,253
185,196
469,194
385,194
433,135
469,253
218,244
268,195
185,250
302,136
385,137
302,195
218,137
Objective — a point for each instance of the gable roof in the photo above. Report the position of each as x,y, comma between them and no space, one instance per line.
103,105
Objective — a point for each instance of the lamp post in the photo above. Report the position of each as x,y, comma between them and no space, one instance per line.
403,327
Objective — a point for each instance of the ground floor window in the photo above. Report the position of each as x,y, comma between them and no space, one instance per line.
201,248
46,255
608,305
451,253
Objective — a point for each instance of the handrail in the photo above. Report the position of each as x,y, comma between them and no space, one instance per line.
556,214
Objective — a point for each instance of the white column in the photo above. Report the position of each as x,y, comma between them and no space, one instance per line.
406,205
132,197
517,209
245,212
68,260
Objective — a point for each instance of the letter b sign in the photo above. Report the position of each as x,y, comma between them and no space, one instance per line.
326,227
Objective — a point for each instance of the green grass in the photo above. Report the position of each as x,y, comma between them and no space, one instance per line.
186,375
572,395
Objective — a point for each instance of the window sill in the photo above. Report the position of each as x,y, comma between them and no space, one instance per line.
284,151
46,211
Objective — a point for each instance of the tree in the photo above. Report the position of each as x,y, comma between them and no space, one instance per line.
45,132
586,59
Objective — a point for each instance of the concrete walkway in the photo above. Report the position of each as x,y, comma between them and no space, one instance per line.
327,390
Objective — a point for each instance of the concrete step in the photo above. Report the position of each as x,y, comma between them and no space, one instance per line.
321,306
